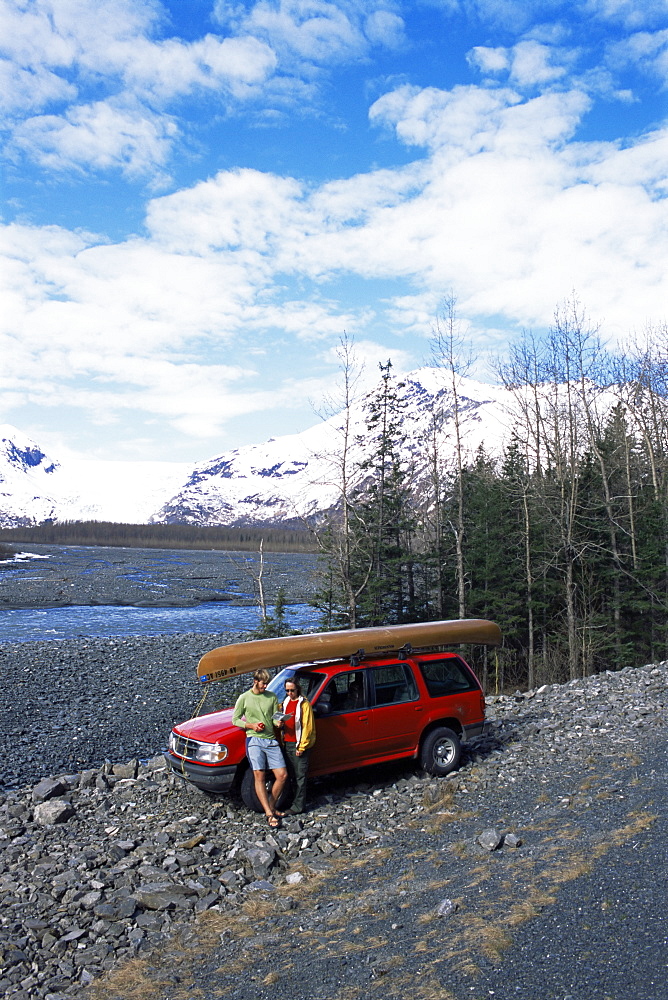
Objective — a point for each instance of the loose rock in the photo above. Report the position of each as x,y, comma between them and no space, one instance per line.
136,854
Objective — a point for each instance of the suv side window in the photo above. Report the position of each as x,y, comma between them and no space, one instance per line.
393,684
446,676
346,692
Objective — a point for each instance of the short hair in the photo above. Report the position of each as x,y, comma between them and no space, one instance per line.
261,675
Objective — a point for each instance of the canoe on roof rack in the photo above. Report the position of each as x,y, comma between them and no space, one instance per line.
245,657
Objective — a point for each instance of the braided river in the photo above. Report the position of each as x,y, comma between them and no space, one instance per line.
63,592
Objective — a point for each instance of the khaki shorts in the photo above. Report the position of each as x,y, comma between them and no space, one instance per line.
264,754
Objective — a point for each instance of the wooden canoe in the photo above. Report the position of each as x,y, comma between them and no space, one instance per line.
245,657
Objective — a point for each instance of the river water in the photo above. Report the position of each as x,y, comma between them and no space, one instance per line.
38,624
62,592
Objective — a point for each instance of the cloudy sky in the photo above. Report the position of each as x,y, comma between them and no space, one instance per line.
199,198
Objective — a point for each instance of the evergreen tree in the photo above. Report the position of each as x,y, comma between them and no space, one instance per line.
383,520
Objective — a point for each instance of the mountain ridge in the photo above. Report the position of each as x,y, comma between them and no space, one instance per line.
279,481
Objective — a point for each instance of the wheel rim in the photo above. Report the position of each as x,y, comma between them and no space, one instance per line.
444,752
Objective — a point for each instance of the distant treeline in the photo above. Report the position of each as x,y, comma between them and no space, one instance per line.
163,536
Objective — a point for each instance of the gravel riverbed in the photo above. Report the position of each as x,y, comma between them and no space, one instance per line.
52,576
70,704
119,881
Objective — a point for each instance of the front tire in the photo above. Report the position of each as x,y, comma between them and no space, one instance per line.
250,799
441,752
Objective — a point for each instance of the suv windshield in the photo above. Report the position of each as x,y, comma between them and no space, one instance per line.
309,681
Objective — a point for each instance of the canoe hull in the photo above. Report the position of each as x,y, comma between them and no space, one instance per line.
246,657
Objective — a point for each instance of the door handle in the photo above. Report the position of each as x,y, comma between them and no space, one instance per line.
362,718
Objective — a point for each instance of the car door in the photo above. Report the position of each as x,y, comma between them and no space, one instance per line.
343,724
397,713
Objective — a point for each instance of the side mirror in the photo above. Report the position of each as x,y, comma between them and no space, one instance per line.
323,706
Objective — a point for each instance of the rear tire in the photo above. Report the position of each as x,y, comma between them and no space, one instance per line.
250,799
441,751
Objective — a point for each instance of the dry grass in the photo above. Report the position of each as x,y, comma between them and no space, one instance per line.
441,797
639,822
211,924
460,848
434,822
423,985
570,833
476,936
515,898
134,980
529,908
494,896
348,993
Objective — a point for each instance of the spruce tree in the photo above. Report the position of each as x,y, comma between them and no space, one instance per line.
383,521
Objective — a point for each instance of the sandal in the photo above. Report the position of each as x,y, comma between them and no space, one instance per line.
273,821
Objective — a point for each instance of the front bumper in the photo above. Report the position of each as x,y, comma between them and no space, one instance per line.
214,778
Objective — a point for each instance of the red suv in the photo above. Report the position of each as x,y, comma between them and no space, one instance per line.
367,710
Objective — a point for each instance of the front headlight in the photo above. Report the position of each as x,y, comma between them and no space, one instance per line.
211,753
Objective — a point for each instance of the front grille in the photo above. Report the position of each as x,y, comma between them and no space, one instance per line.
184,747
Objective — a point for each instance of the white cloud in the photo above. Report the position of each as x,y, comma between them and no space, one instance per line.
106,81
513,15
519,16
523,217
528,64
29,89
173,68
382,27
500,205
646,50
101,135
315,31
629,13
489,60
460,118
243,210
308,321
531,65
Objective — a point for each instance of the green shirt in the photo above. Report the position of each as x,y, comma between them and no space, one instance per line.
256,708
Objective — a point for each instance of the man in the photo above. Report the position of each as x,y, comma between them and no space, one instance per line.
254,713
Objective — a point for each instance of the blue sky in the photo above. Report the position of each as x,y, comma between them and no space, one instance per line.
199,198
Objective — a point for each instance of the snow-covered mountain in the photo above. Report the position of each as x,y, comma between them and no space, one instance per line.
282,480
296,476
26,480
35,488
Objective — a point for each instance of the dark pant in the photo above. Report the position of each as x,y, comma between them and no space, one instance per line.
298,770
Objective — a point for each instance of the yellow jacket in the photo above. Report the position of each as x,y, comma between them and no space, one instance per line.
304,723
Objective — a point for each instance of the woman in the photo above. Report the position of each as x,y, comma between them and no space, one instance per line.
298,740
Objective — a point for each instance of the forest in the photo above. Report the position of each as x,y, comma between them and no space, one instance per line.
164,536
562,539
